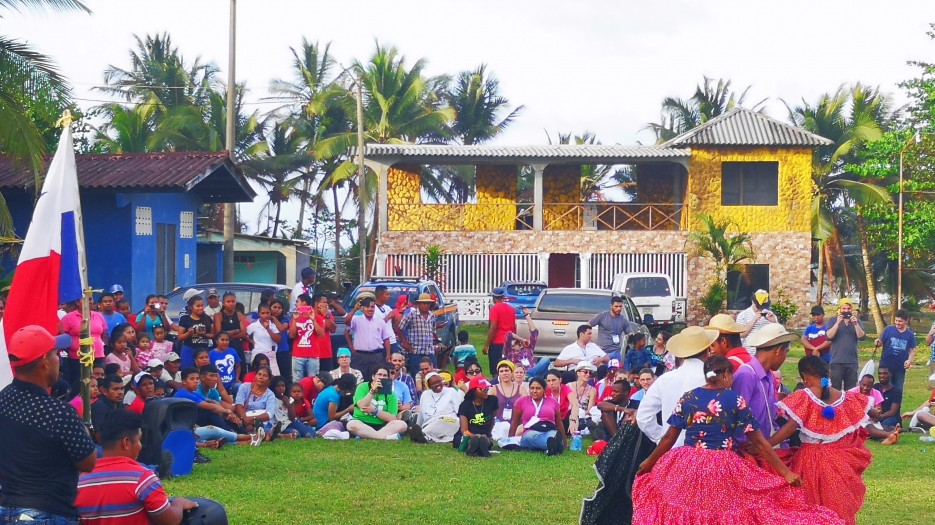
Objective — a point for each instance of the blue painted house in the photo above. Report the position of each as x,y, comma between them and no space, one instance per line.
140,214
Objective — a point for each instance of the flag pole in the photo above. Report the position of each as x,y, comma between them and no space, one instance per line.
85,341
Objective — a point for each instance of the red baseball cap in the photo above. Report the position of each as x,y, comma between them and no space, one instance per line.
478,382
30,343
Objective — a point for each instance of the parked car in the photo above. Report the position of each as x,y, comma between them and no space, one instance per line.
522,293
247,293
559,312
447,323
653,294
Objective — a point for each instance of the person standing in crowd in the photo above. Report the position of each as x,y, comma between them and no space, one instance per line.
844,332
108,311
214,303
815,338
117,291
502,319
754,381
416,331
613,327
305,360
265,337
581,350
234,323
367,336
153,315
71,325
228,363
715,419
663,361
195,330
755,317
279,316
39,463
305,286
119,482
728,343
323,329
392,316
899,348
521,352
691,344
833,452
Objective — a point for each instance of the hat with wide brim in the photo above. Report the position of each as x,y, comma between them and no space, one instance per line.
691,341
771,334
425,298
725,324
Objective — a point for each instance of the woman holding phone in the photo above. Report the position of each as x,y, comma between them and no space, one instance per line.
375,407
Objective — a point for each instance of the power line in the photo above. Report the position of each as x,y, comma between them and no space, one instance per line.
120,102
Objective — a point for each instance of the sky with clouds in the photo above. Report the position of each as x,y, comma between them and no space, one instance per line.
599,65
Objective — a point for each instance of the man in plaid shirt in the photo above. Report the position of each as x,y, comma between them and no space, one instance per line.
416,331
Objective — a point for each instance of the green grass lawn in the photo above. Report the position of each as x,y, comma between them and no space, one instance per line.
318,481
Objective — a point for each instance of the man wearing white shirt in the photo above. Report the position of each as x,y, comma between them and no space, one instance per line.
691,344
305,286
581,350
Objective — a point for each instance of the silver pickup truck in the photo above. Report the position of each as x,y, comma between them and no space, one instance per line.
559,312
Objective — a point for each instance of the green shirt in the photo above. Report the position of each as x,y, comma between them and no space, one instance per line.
386,403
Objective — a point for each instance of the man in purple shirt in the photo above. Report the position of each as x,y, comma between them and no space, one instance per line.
754,381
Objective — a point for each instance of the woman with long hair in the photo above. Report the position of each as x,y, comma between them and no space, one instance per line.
507,391
536,419
707,481
234,323
280,317
831,427
564,395
195,330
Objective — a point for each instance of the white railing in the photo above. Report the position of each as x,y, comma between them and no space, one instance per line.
604,266
469,273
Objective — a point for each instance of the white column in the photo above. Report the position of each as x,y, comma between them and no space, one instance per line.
585,259
380,263
544,267
538,191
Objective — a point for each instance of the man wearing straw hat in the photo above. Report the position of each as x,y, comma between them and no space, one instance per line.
692,345
416,332
754,381
844,332
728,344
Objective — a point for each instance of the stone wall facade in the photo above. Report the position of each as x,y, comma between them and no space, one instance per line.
787,253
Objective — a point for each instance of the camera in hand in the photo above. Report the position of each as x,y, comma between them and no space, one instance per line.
386,386
847,315
763,313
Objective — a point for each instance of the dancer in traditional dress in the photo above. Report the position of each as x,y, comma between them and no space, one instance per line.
833,455
707,481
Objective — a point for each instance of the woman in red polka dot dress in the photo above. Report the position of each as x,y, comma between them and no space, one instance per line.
833,456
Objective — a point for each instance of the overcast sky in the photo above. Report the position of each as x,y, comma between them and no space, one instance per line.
602,66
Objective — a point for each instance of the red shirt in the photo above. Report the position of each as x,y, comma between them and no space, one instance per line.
738,357
137,405
120,491
304,409
303,346
322,343
506,321
309,392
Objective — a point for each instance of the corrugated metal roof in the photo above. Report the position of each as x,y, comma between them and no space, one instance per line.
147,171
582,153
743,127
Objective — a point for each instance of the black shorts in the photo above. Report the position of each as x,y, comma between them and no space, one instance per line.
375,426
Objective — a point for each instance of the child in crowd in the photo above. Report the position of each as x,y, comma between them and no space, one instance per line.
305,357
463,351
144,350
639,356
265,337
122,358
227,361
302,408
159,389
287,424
160,347
200,358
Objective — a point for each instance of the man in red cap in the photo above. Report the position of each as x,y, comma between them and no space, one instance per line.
45,444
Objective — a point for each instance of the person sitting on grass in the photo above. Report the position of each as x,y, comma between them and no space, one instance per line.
613,412
471,370
645,379
110,399
259,361
892,399
521,352
287,423
257,398
210,411
921,419
426,366
211,388
476,417
536,418
344,366
302,406
463,350
144,387
438,413
638,356
375,408
118,484
507,391
328,416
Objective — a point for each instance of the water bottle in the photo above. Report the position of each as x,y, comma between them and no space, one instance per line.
576,442
927,439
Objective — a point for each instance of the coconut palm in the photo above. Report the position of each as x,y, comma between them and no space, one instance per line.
710,100
478,105
125,129
727,250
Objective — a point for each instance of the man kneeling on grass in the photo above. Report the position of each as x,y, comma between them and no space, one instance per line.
120,490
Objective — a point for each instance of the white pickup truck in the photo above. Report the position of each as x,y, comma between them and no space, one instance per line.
653,294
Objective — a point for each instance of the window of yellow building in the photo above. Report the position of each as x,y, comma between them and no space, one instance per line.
749,183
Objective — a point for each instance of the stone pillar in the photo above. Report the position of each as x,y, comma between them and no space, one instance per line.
585,260
544,267
380,263
537,198
383,199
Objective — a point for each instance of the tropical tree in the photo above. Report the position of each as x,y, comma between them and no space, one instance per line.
126,129
596,179
727,250
710,100
479,106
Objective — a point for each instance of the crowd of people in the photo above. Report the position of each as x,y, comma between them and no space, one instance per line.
707,402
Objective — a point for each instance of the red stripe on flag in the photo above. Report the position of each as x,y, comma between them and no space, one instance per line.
33,295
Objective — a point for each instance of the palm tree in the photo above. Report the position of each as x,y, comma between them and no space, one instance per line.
851,117
596,179
478,104
727,250
125,129
709,101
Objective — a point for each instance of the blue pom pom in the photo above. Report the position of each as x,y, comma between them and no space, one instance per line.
825,383
827,412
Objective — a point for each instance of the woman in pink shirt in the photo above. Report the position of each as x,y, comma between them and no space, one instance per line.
538,417
71,325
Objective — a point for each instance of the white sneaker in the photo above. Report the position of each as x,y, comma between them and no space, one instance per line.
393,437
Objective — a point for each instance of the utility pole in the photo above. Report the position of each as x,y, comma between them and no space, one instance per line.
230,209
361,187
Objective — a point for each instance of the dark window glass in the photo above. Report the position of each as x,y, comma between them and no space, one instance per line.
749,183
742,282
573,303
525,289
648,287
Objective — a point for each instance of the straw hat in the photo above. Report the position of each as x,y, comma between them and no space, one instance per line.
691,341
425,298
725,324
771,334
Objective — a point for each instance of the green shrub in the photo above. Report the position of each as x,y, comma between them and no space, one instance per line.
713,300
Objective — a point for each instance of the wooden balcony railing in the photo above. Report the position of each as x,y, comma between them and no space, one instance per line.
611,216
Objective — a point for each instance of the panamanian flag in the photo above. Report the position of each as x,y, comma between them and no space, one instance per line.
49,271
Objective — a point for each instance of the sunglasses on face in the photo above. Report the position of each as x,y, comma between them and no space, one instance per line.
472,372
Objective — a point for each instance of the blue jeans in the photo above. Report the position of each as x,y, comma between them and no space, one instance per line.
891,421
303,430
210,432
535,440
412,362
539,369
305,367
36,517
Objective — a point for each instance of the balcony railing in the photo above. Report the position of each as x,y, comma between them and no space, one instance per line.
519,216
